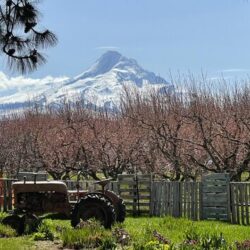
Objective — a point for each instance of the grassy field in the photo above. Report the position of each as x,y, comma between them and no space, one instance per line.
135,233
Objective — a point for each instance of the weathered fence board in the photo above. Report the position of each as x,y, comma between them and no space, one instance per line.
175,199
240,202
6,196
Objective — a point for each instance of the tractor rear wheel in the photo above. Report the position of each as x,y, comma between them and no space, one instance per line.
15,222
94,206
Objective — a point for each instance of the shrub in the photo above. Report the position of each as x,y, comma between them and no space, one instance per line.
214,241
3,215
108,243
121,235
39,236
195,240
7,231
152,245
245,245
45,230
89,235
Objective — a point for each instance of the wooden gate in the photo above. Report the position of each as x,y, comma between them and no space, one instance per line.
136,192
215,200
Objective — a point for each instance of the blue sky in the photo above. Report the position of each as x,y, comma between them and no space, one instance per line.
162,35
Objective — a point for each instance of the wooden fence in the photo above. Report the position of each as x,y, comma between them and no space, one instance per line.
6,197
143,195
240,202
177,199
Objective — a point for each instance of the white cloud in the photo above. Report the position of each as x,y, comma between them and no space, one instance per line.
233,70
230,75
20,81
20,88
107,48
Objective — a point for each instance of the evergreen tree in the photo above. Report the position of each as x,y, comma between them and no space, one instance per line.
20,39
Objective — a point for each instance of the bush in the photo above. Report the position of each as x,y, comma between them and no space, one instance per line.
196,240
45,230
245,245
121,236
151,245
39,236
109,244
7,231
3,215
89,235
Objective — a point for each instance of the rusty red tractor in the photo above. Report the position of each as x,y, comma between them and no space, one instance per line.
34,198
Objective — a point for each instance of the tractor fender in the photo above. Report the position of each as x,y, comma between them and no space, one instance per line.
110,195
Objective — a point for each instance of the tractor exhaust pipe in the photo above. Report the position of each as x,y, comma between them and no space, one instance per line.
35,175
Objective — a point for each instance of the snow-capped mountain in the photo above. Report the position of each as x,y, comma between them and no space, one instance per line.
101,84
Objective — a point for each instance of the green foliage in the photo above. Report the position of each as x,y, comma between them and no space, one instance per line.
45,230
3,215
205,241
176,229
192,234
39,236
90,235
148,233
6,231
152,245
213,241
121,235
20,40
108,243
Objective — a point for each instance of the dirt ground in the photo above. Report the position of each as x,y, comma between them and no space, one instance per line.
45,245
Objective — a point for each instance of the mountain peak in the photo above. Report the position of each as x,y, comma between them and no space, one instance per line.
103,65
124,69
107,61
101,84
111,55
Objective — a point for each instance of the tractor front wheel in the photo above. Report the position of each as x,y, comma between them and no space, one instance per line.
94,206
15,222
30,222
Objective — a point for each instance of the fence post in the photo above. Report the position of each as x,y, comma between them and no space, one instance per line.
5,198
176,199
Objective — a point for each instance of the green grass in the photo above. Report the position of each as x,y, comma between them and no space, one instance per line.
140,231
6,231
20,243
88,237
3,215
174,229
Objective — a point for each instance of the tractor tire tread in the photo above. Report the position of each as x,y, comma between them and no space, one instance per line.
95,199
